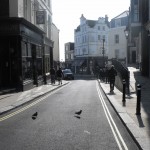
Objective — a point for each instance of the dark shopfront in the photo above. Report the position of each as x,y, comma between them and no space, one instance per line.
21,54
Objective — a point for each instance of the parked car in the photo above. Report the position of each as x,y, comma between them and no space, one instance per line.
68,74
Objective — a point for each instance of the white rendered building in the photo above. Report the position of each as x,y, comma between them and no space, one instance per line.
117,39
89,37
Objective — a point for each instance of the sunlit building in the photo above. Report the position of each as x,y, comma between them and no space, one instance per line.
56,52
69,55
91,43
117,40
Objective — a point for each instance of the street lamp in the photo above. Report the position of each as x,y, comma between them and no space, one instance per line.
126,32
103,52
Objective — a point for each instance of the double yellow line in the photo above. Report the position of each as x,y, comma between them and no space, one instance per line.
30,105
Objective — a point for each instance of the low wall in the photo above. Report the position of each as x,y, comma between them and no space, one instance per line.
118,82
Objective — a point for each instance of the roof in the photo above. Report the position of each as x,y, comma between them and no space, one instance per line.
78,29
91,23
122,15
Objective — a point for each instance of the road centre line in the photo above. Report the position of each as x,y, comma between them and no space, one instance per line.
112,124
30,105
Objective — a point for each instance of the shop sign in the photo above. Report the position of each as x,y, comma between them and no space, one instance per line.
40,17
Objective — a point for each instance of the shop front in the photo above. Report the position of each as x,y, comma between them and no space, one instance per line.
21,54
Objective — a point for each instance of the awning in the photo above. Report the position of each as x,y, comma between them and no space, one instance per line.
78,62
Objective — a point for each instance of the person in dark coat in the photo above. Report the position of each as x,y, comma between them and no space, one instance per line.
52,74
106,75
112,74
59,75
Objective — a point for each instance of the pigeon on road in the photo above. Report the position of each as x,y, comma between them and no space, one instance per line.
78,112
34,116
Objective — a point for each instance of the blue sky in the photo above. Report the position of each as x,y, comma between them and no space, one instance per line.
67,13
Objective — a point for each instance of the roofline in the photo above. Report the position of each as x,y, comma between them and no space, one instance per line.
127,11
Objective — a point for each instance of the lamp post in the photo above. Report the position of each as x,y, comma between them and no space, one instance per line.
103,52
126,32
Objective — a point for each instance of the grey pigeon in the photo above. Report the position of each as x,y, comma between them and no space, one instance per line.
78,112
34,116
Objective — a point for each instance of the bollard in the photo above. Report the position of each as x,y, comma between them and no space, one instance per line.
138,105
124,91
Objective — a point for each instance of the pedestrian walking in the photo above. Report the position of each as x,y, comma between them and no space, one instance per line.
112,74
59,75
106,75
52,74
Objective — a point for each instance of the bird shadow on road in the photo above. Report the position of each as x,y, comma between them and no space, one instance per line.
78,117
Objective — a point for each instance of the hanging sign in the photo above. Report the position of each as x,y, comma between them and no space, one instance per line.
40,17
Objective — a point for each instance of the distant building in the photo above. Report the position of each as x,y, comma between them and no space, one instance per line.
117,40
55,38
91,43
69,55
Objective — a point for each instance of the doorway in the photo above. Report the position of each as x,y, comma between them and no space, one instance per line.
133,56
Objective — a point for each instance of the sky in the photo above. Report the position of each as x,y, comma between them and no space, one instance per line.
66,15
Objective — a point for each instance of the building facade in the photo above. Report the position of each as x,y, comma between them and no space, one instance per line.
138,33
145,42
91,43
117,40
55,39
26,45
69,55
135,30
146,35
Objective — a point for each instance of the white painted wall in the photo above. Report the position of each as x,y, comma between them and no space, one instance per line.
91,46
14,8
27,9
55,38
121,46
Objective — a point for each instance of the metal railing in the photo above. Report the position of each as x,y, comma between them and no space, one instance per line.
123,72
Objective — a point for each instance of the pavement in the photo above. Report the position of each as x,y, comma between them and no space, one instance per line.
11,101
137,125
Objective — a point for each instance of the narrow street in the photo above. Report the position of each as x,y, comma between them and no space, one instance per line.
57,127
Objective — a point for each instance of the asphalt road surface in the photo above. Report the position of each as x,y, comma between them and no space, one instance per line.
57,127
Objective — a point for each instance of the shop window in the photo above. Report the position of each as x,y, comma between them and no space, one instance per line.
29,50
47,64
24,48
39,67
39,51
27,68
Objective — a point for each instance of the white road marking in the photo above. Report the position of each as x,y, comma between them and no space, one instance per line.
30,105
85,131
111,122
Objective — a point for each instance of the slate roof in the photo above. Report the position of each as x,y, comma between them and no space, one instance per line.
91,23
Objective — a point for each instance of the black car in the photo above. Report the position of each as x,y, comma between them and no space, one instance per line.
68,74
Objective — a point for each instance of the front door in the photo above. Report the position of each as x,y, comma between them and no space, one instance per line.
34,64
133,56
5,64
8,63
